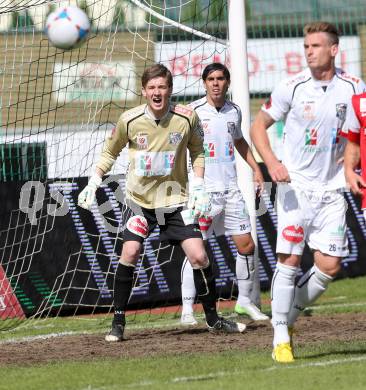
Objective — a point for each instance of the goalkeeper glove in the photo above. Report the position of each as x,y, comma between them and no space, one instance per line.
87,195
199,201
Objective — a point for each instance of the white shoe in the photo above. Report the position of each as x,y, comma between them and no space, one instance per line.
188,319
251,311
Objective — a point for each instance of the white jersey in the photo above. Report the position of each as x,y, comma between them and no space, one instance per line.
220,128
316,125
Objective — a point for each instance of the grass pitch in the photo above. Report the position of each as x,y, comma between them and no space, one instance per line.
325,364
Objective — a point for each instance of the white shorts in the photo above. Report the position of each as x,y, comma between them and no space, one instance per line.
317,218
229,215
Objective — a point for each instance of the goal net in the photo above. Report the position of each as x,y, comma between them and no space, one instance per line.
58,106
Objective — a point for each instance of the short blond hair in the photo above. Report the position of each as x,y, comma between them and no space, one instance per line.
325,27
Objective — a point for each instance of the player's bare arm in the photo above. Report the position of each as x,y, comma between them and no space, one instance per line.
258,133
244,150
351,160
199,172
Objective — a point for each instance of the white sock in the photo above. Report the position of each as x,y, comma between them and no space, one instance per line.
188,288
282,294
255,295
308,289
245,276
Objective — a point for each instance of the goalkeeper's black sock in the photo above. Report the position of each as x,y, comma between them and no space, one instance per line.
123,282
204,281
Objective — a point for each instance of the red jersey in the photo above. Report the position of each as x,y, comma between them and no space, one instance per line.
357,134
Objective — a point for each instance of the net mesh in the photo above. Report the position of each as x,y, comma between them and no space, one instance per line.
58,106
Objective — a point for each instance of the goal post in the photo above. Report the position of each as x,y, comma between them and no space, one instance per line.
241,96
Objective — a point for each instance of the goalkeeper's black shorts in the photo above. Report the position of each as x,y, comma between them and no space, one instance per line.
173,230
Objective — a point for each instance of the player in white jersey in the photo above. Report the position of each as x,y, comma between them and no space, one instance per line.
221,122
315,107
158,135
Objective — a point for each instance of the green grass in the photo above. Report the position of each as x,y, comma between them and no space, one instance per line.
324,367
319,366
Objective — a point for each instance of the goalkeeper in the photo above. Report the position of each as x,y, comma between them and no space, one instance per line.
158,135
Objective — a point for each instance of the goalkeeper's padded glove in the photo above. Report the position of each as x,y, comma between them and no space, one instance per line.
199,200
87,196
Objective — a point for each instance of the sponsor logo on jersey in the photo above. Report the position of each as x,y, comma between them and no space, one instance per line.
183,110
293,234
339,232
138,225
204,223
169,159
209,149
311,136
363,106
231,127
205,127
350,77
141,140
309,110
145,163
335,135
297,79
175,138
154,163
229,149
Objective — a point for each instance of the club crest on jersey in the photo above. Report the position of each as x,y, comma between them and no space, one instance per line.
141,141
341,110
175,138
231,128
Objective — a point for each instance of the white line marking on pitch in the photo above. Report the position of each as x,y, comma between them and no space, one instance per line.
222,374
14,340
39,337
318,364
320,307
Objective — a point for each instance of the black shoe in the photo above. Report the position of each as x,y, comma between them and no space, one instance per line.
226,326
116,333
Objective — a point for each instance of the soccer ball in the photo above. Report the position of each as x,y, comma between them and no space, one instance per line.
67,27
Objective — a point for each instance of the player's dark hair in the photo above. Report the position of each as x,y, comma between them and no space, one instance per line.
325,27
213,67
156,70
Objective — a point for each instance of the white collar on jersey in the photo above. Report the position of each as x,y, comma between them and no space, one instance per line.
215,108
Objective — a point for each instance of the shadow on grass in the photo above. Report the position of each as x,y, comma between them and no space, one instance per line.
348,351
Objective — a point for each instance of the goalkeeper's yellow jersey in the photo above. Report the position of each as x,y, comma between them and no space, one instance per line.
157,174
